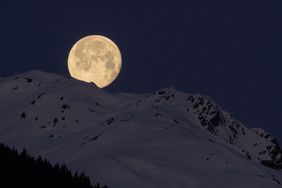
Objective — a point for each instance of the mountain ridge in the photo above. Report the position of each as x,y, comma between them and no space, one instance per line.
48,113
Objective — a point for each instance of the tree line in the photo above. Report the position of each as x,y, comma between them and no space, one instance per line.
19,169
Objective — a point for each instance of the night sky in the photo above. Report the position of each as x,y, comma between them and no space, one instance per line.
228,50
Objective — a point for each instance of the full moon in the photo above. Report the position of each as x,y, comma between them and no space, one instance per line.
96,59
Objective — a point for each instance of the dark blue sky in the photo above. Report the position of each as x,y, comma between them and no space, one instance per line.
229,50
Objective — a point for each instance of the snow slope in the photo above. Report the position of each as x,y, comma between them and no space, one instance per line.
162,139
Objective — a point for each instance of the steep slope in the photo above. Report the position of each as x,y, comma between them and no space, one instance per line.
162,139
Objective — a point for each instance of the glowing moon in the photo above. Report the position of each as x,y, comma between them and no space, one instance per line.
96,59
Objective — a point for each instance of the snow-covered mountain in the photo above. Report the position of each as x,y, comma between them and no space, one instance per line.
162,139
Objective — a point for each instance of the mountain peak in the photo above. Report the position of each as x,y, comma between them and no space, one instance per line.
169,88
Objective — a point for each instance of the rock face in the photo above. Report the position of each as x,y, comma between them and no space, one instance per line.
256,144
262,148
162,139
